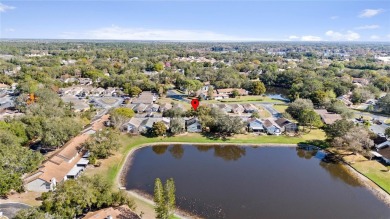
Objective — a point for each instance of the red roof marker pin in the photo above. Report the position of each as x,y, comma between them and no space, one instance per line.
195,103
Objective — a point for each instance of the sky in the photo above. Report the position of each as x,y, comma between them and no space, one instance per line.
201,20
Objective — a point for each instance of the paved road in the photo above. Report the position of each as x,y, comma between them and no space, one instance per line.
10,209
378,129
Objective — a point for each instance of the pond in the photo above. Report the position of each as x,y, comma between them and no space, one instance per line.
277,93
253,182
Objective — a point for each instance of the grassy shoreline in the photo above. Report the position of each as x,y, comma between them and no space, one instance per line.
110,168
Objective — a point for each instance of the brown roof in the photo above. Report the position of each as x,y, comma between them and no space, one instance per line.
71,148
122,212
58,166
4,86
282,122
385,152
52,170
327,117
230,90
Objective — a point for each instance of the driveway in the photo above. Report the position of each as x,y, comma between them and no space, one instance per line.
10,209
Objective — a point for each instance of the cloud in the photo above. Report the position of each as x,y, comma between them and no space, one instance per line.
310,38
4,8
292,37
334,17
121,33
10,30
348,36
303,38
366,27
374,37
370,13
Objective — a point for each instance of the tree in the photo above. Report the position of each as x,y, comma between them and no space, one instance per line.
387,132
255,114
210,93
235,93
338,128
134,91
120,116
361,95
34,213
298,106
311,118
159,129
102,143
158,66
384,104
71,198
57,131
159,200
164,198
177,125
357,139
170,191
258,88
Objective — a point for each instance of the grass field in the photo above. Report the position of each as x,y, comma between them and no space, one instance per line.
372,169
264,113
281,108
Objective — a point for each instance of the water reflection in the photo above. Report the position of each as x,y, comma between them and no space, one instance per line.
177,151
334,169
229,152
160,149
266,182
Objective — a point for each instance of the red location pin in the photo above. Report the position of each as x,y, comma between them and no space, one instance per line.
195,103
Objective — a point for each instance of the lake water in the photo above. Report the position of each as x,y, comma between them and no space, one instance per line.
254,182
277,93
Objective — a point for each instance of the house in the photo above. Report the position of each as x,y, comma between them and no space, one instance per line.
85,81
179,106
58,168
109,92
237,108
345,99
383,145
140,108
218,96
4,86
255,125
134,125
193,125
67,163
148,123
384,150
146,97
152,108
229,91
112,212
286,125
271,127
225,107
164,107
250,108
327,117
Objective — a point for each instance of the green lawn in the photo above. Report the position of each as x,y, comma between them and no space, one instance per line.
374,171
387,121
281,108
